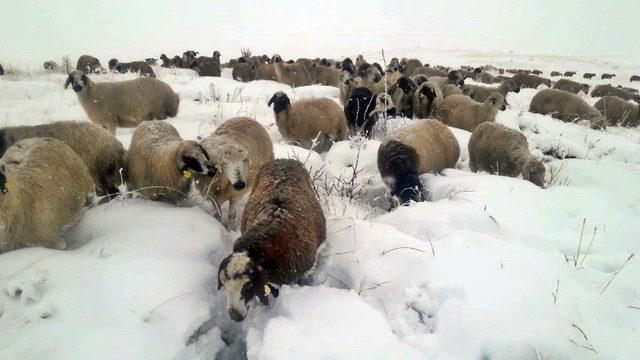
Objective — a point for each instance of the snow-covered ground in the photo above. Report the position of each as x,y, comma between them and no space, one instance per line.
490,268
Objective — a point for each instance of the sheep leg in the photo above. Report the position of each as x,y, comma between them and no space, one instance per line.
233,207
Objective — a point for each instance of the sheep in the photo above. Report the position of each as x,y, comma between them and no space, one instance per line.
348,65
481,93
166,62
402,96
305,120
266,72
125,103
346,84
454,77
426,100
618,112
485,77
450,89
497,149
569,73
556,73
206,66
465,113
44,187
50,65
363,110
293,75
634,78
604,90
188,57
607,76
500,79
151,61
238,148
89,64
161,164
537,72
530,81
325,75
628,89
101,152
392,75
571,86
424,70
370,78
307,63
588,75
283,227
177,62
244,71
409,66
136,67
360,61
425,146
566,106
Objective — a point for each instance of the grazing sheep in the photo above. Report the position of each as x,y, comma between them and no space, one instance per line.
347,83
571,86
566,106
454,77
325,75
588,75
151,61
244,71
44,187
485,78
530,81
283,227
161,164
363,110
409,67
238,148
426,100
628,89
619,112
101,152
634,78
136,67
370,78
294,75
89,64
402,96
556,73
607,76
604,90
569,73
50,65
481,93
497,149
462,112
124,103
500,79
537,72
425,146
305,120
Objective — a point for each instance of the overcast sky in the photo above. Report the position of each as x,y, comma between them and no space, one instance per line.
36,30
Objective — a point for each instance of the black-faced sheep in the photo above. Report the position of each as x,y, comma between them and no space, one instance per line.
463,112
238,148
607,76
44,186
618,112
188,57
124,103
293,75
136,67
556,73
588,75
348,65
402,96
425,146
481,93
101,152
426,100
537,72
566,106
89,64
604,90
282,228
363,110
162,164
307,120
569,73
497,149
371,78
571,86
50,65
634,78
530,81
454,77
151,61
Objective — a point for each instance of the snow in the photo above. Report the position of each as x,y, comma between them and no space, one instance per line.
486,269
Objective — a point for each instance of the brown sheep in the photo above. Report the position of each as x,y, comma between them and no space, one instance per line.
604,90
497,149
537,72
244,71
629,89
136,67
101,152
425,146
283,227
371,78
485,78
426,100
207,66
530,81
307,63
402,96
588,75
89,64
607,76
238,148
481,93
409,67
293,75
556,73
50,66
162,164
124,103
424,70
465,113
266,72
618,112
571,86
454,77
44,187
634,78
569,73
306,120
565,106
450,89
325,75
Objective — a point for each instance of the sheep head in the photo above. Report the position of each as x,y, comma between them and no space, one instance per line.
534,171
280,102
192,157
233,161
78,80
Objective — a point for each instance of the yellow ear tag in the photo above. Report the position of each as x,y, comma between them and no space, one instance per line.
267,290
186,174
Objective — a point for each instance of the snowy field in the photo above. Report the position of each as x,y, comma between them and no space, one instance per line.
490,268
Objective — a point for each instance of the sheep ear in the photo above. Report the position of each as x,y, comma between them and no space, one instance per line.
192,163
273,98
223,265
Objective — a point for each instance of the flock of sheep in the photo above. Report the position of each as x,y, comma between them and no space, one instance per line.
49,173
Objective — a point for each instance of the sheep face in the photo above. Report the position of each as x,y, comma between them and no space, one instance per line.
370,72
280,102
275,59
346,78
113,63
242,281
534,171
456,78
234,161
497,101
585,88
383,106
192,157
78,81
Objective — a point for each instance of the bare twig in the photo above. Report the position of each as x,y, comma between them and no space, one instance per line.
340,281
595,230
402,247
575,260
555,293
430,243
615,273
